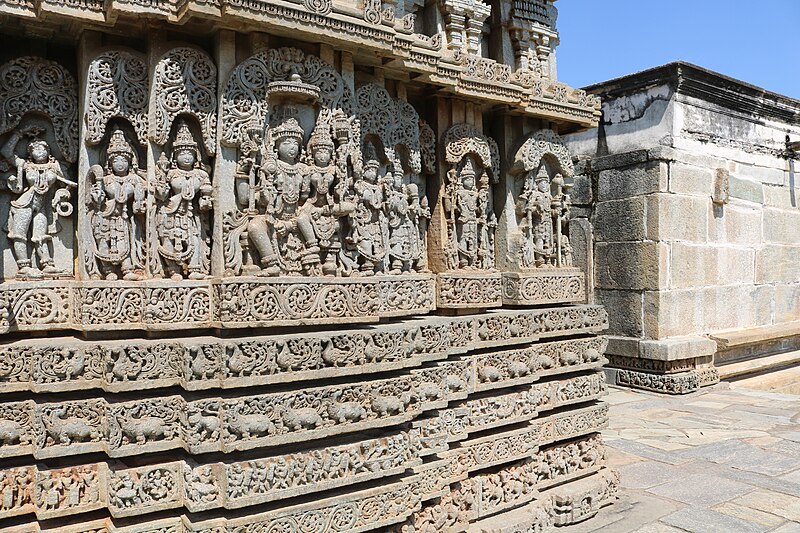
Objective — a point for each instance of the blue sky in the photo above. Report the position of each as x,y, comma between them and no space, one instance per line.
754,41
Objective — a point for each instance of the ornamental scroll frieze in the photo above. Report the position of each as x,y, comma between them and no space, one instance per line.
117,86
208,362
468,204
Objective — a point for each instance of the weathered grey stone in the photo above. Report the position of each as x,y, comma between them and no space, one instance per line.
746,189
627,318
581,192
673,217
776,263
644,178
620,220
631,265
691,179
701,265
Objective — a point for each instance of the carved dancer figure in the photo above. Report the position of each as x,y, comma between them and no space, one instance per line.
370,230
117,208
420,213
43,197
183,191
282,232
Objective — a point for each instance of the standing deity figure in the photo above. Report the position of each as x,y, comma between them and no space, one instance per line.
282,232
183,193
421,215
43,197
370,230
467,211
535,207
403,213
323,207
117,211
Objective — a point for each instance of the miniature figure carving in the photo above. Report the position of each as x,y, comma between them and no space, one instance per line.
472,223
117,212
543,207
183,194
43,196
370,230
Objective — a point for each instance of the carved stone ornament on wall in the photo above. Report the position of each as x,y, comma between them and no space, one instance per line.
117,86
538,231
184,82
39,118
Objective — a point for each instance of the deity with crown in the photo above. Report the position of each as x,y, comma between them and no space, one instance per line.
282,231
370,232
467,214
535,207
183,194
117,210
44,196
402,222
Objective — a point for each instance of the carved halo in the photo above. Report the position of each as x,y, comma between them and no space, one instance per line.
184,82
35,84
537,146
463,139
117,84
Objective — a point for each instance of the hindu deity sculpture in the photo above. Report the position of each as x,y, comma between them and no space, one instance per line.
282,231
117,210
43,196
402,220
183,197
370,233
543,207
463,202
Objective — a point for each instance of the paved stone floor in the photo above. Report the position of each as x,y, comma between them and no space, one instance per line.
725,459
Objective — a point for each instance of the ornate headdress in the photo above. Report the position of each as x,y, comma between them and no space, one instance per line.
321,137
468,169
288,129
184,140
37,142
542,174
118,145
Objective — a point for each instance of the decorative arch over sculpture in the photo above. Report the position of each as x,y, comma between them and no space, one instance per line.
184,82
117,85
32,84
540,145
463,139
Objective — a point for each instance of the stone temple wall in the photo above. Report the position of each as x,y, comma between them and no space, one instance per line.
293,266
693,206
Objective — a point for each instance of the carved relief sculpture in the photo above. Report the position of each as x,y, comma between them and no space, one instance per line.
182,210
468,200
117,209
39,100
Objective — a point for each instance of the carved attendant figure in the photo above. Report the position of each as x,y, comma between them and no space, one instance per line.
534,204
33,214
370,228
183,190
403,245
117,208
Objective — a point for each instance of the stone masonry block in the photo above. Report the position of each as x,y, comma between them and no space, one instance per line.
625,311
701,265
781,196
675,217
747,190
690,179
677,348
631,265
787,303
735,224
581,240
781,226
620,220
581,192
775,263
636,180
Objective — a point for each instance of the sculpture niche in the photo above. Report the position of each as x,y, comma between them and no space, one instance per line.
42,195
117,212
182,208
294,198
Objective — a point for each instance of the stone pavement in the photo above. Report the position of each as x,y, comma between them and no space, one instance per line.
725,459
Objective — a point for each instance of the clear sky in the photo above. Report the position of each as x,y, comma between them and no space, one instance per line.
757,41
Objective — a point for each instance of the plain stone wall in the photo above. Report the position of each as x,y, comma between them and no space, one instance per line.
668,262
